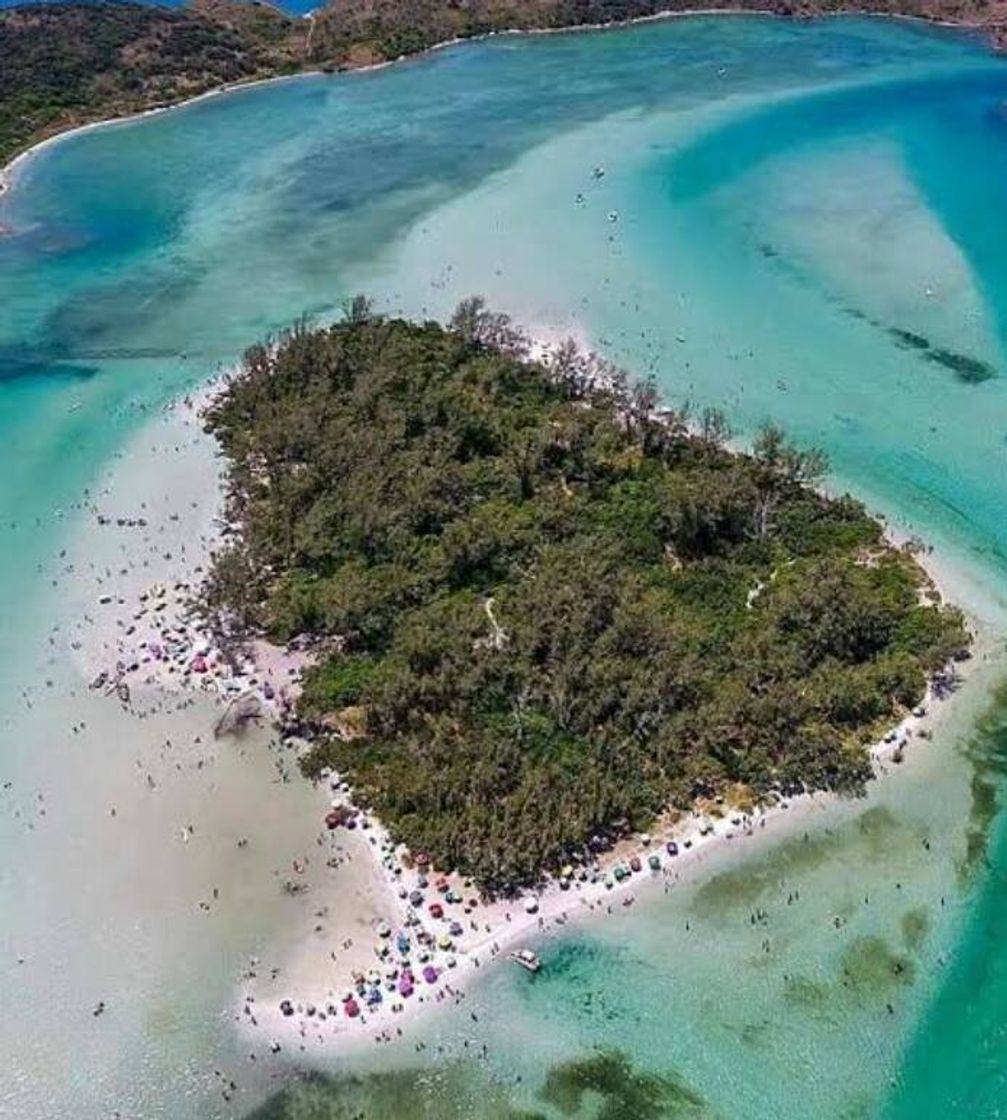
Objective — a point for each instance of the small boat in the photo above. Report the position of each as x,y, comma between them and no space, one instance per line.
526,959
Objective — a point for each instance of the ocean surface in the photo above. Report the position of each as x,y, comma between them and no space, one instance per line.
796,221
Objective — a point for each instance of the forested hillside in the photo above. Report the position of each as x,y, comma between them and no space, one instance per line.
67,64
540,607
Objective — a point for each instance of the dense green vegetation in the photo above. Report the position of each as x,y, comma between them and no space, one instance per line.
541,608
376,30
64,64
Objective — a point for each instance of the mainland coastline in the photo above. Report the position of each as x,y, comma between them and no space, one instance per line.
995,35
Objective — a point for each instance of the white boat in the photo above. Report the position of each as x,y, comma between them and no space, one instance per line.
526,959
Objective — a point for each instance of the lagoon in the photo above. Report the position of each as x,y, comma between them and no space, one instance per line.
800,222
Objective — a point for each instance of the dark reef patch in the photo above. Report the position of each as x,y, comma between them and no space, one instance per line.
623,1092
871,968
440,1093
603,1086
987,753
915,927
968,370
19,367
872,834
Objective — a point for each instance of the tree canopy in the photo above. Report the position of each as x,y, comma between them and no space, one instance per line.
550,607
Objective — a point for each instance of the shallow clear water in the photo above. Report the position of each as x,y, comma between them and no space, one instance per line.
792,205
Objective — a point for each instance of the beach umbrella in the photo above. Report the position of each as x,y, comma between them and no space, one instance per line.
352,1008
430,974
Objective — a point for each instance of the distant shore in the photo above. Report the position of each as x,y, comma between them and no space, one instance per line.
996,39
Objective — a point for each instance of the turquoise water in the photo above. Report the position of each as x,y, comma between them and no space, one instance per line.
787,211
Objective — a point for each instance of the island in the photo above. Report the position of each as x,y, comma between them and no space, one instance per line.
543,611
63,65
